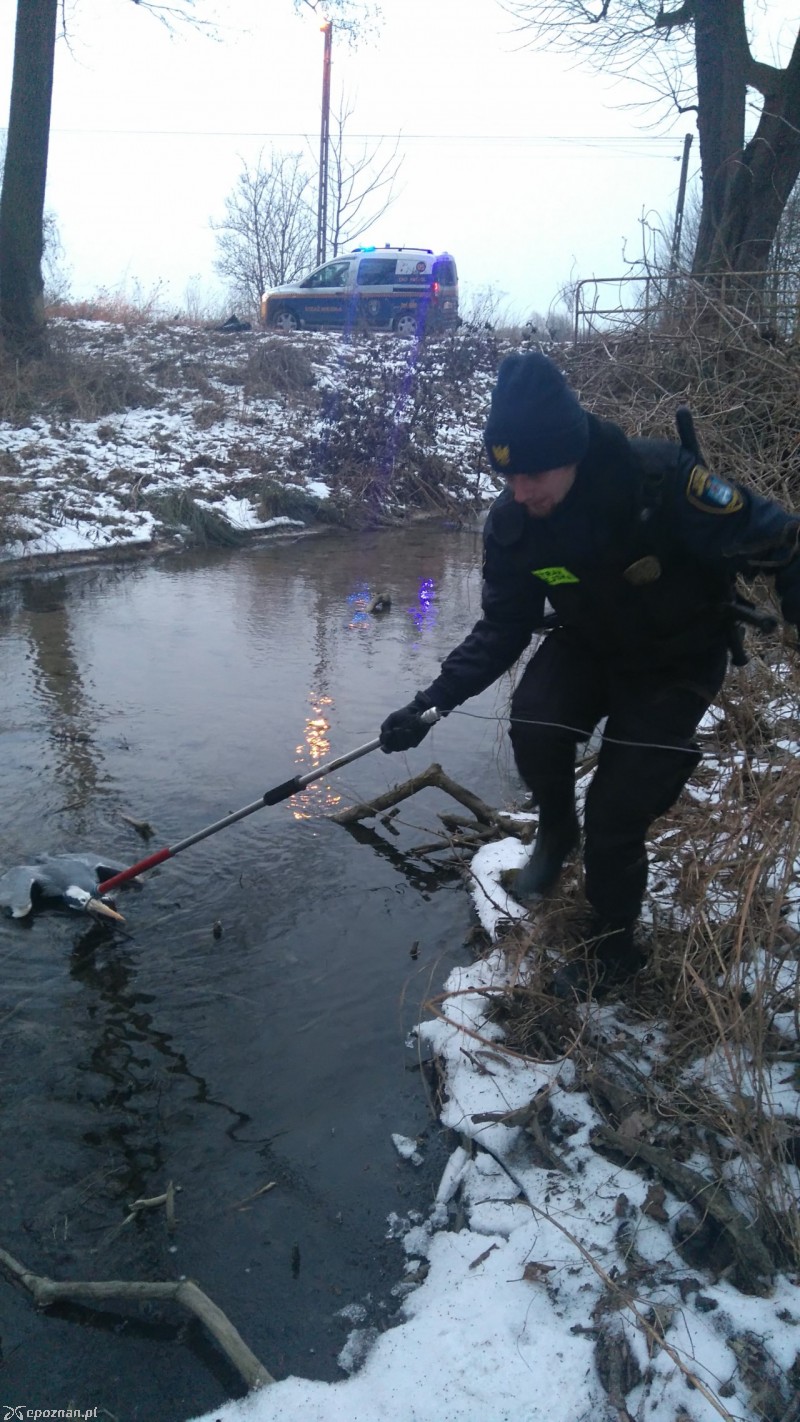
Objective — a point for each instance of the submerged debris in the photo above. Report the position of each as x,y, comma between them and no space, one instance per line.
142,827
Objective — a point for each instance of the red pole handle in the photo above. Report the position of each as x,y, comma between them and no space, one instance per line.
126,874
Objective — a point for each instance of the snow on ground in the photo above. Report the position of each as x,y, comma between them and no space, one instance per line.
137,416
547,1282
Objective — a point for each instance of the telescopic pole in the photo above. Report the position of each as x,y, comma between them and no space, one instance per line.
270,797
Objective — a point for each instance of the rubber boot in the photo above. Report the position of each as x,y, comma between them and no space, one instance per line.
555,841
612,958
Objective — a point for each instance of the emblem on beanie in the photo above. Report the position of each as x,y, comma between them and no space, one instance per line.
501,454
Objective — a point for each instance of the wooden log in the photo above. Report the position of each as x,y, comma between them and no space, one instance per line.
47,1291
434,777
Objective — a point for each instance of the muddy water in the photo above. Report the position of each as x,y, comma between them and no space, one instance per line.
248,1030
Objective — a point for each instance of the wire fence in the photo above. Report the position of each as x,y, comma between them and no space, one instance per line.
660,303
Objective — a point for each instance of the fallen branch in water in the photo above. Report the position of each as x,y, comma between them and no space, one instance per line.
167,1199
434,777
47,1291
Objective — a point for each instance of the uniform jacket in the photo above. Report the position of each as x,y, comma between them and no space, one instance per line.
640,560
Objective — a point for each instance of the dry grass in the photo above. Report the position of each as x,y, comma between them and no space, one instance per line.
744,392
277,368
198,525
135,308
723,982
71,382
376,434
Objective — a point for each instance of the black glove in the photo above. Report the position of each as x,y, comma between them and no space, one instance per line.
404,729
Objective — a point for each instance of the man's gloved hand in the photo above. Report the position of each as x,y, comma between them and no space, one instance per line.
403,729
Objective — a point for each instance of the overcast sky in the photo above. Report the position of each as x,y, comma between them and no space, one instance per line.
521,164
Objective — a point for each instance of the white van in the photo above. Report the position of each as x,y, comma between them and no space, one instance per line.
407,290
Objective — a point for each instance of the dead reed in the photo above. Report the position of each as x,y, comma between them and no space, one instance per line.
722,990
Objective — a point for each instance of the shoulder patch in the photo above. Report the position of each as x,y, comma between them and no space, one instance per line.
706,491
554,576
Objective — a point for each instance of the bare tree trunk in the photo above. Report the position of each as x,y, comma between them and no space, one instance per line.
22,199
765,178
721,56
745,186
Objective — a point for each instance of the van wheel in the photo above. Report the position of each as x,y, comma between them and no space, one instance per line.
285,321
406,325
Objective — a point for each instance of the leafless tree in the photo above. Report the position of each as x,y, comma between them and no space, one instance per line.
778,304
22,218
54,273
268,233
353,18
360,187
24,177
22,323
698,55
786,248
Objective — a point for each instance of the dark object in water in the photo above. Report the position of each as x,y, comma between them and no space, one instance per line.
381,602
72,878
142,827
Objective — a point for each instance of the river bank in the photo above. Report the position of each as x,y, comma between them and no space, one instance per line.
615,1232
165,435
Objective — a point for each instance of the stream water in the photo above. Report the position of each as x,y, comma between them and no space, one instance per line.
250,1024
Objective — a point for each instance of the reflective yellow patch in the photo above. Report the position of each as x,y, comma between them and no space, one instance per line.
714,495
554,576
501,454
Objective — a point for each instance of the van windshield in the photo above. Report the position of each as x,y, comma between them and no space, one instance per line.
333,275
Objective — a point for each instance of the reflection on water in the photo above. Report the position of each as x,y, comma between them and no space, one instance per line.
134,1063
318,797
45,620
251,1024
423,611
358,602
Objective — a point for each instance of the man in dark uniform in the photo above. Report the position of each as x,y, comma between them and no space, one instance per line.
636,546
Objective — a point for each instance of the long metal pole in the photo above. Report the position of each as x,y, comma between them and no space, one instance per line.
324,144
270,797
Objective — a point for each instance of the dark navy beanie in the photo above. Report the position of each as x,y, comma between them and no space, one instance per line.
535,421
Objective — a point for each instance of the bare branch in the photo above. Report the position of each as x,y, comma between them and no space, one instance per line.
45,1291
170,15
697,56
675,18
355,181
356,19
267,235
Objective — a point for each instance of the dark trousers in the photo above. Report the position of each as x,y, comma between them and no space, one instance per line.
647,754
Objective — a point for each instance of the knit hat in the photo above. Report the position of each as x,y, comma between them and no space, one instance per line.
535,421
